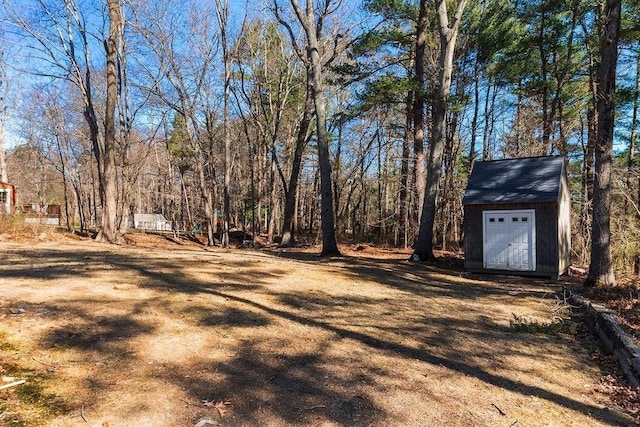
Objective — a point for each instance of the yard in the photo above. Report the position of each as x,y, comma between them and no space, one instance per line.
175,335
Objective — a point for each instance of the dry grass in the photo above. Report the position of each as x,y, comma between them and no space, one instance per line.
167,335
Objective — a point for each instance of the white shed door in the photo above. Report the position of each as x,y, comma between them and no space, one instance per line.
509,240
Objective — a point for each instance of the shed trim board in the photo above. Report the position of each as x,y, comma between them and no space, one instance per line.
509,239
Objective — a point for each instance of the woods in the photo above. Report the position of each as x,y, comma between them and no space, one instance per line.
320,121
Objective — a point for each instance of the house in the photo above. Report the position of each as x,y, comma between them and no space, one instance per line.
152,222
7,197
37,213
517,217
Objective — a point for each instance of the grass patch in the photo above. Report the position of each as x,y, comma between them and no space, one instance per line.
30,403
555,327
5,345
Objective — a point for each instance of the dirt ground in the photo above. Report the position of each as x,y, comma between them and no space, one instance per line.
160,334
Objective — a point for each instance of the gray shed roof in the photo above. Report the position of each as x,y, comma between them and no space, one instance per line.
533,179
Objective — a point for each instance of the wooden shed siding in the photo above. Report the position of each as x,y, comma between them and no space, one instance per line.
547,238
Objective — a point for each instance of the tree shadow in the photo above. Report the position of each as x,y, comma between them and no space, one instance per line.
50,264
233,317
429,279
268,381
97,335
268,388
450,361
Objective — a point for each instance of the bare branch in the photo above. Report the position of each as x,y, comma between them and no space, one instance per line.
276,11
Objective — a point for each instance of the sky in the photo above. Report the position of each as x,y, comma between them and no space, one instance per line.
20,80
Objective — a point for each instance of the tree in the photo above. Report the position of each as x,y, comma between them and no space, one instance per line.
601,266
630,39
302,137
4,92
313,26
178,69
109,231
62,47
402,37
222,13
419,105
273,91
180,149
448,35
632,157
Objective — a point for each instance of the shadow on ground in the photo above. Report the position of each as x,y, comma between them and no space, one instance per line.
286,372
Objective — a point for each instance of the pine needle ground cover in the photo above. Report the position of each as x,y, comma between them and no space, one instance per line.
175,335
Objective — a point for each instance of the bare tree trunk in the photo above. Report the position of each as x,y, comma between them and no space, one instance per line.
184,204
546,119
129,176
312,201
589,147
636,260
253,194
632,149
222,12
337,168
379,184
389,207
260,182
487,133
601,267
77,188
448,35
418,107
109,231
587,173
271,223
307,20
4,88
518,127
206,194
476,113
288,229
93,201
632,135
404,174
63,171
3,161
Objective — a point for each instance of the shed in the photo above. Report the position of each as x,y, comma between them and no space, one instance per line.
151,222
517,217
7,197
37,213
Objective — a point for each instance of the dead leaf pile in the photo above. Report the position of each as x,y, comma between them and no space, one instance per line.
622,394
624,300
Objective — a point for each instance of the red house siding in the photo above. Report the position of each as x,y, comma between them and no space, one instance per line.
12,194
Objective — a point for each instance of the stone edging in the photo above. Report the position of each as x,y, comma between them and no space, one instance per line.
615,339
